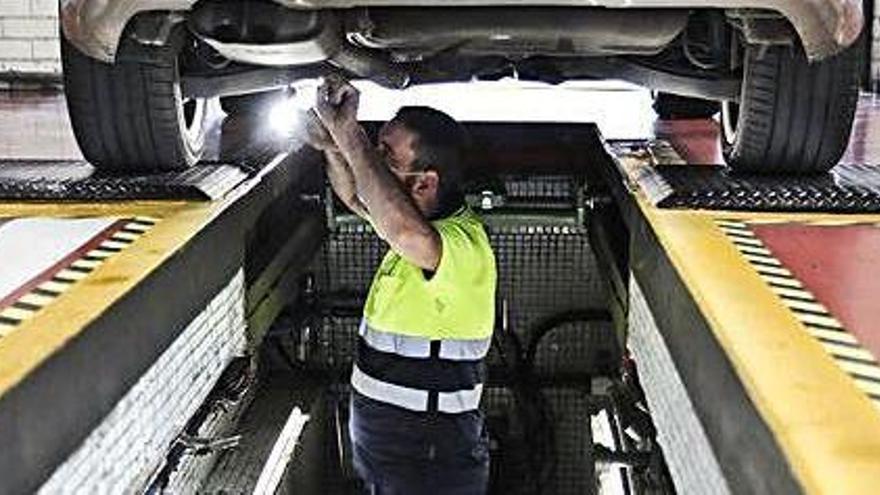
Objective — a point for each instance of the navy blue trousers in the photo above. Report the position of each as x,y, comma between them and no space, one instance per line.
400,452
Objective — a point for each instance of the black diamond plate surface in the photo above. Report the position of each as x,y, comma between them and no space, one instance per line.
77,181
849,188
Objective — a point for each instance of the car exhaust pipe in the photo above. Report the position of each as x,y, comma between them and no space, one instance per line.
267,34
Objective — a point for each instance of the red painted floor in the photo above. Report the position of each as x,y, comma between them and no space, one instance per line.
695,140
840,265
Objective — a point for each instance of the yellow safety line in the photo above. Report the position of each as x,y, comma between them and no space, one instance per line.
858,362
100,253
37,338
32,302
827,428
16,313
145,209
36,299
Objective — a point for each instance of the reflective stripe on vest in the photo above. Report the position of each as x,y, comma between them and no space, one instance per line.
418,373
414,399
420,347
431,373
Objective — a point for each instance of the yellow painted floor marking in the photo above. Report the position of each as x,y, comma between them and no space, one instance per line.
73,274
850,352
54,286
36,299
733,224
760,251
97,253
825,425
6,329
762,260
790,292
835,335
808,306
70,274
828,321
788,282
128,236
147,219
867,370
740,241
114,244
172,224
773,270
869,387
16,313
86,264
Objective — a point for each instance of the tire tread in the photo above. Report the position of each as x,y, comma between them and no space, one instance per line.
124,115
795,116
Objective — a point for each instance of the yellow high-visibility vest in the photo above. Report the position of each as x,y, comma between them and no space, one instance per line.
456,302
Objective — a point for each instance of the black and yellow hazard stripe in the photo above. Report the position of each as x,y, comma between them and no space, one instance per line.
61,281
858,362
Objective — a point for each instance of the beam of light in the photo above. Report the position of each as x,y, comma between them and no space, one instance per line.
286,118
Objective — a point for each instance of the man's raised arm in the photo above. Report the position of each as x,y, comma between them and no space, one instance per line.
391,210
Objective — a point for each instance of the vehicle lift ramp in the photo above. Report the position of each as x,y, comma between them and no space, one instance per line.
135,346
751,318
752,315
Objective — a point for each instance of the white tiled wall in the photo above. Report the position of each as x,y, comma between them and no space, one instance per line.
29,37
121,454
692,462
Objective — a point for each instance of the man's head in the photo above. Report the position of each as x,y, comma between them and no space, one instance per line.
426,150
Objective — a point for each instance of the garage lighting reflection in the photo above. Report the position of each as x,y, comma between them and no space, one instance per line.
284,116
287,116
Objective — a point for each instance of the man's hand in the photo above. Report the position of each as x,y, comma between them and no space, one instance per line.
315,134
337,104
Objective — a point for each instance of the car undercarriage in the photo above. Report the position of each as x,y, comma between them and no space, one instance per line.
754,64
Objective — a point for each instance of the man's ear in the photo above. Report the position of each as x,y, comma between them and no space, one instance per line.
427,183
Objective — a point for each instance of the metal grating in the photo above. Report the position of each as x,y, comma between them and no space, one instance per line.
542,271
348,259
576,349
545,267
849,188
77,180
533,187
570,417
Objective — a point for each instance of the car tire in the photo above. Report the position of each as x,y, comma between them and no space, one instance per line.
252,104
130,117
674,107
793,117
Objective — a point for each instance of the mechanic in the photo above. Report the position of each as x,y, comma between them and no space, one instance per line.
417,379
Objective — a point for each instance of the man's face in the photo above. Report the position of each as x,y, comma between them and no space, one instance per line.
395,145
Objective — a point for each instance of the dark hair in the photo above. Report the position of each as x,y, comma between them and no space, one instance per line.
441,144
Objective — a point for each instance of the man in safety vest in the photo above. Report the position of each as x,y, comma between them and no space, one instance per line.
427,324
